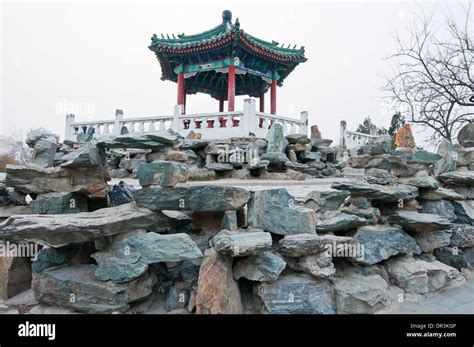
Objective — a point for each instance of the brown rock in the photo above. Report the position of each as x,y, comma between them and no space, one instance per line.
15,276
217,292
315,133
193,135
404,137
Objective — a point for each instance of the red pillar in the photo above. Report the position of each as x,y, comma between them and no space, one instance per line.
262,102
221,104
231,88
273,103
181,89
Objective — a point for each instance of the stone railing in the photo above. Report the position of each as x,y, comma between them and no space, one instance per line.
350,139
210,125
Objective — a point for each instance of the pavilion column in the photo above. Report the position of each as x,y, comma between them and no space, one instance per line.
221,104
273,96
231,88
262,102
181,96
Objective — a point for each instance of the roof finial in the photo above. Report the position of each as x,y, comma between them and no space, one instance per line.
226,16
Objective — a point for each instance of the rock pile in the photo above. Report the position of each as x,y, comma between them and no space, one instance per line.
171,247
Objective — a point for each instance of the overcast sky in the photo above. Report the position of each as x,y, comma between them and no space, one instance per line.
92,58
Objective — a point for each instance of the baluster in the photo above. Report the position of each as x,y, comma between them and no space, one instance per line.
293,128
151,126
141,127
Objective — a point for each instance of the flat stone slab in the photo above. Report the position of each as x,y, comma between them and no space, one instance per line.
197,198
60,230
378,192
305,244
242,243
465,178
419,222
56,287
152,140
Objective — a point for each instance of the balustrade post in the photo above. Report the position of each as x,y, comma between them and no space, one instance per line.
118,121
304,119
69,123
249,119
178,111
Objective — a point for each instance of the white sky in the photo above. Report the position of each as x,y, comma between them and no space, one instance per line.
94,58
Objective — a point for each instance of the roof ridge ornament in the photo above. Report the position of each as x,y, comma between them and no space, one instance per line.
226,16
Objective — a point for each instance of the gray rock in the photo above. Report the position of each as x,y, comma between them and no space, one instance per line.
305,244
292,156
442,208
322,200
131,164
426,182
440,193
448,161
378,192
328,171
229,221
242,243
433,240
297,294
163,173
356,293
127,259
177,299
57,287
339,222
194,144
419,222
320,143
421,277
305,156
379,176
381,242
452,256
43,153
276,139
87,156
121,193
464,210
152,140
274,158
59,230
37,134
318,265
466,135
420,157
298,138
264,267
195,198
462,235
28,179
59,203
275,211
49,257
220,166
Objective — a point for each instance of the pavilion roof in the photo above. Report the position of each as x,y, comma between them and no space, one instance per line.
225,40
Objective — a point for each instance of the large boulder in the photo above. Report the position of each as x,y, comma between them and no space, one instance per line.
305,244
59,230
448,161
87,156
242,243
340,222
419,222
464,210
59,203
297,294
128,258
50,257
264,267
432,240
378,192
466,135
276,211
325,199
276,138
76,287
43,153
462,235
441,208
196,198
421,277
357,293
121,193
37,134
380,242
163,173
217,291
152,140
439,194
28,179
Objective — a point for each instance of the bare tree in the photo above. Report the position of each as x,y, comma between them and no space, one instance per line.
433,74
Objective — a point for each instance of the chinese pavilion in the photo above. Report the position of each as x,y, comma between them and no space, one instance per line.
224,62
